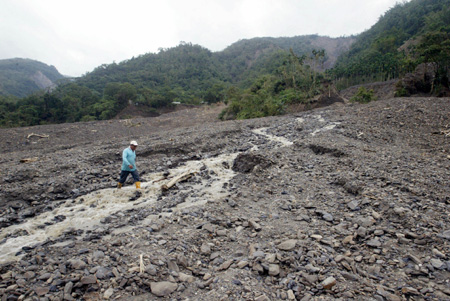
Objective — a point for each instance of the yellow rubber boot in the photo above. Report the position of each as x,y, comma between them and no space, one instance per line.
119,185
138,185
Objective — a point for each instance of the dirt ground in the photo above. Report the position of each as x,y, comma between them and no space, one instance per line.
347,202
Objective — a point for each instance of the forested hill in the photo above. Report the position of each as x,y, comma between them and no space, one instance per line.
257,77
186,73
21,77
407,35
189,70
185,70
247,57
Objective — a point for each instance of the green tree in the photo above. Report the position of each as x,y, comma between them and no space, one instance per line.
435,49
120,93
214,94
363,95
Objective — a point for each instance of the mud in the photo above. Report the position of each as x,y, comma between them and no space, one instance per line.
348,201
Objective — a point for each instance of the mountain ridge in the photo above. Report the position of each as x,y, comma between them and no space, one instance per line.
22,76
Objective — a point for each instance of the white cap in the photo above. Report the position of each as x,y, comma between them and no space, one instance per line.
133,143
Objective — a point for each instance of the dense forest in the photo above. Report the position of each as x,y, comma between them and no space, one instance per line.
255,77
407,35
186,73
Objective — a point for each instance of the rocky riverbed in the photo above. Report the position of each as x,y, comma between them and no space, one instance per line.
349,201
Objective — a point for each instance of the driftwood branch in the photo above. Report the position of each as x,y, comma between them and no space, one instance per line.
29,160
446,133
180,178
141,264
159,180
37,135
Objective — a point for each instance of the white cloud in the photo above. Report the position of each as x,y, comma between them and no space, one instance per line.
77,36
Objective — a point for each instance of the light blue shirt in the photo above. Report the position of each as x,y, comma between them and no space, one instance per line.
128,158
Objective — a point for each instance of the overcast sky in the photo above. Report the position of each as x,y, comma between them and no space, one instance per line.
76,36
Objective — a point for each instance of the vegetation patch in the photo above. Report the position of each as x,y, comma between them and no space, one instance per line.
363,95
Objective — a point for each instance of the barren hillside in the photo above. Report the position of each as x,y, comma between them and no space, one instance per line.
348,201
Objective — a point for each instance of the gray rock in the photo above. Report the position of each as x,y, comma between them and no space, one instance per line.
445,234
210,228
45,276
374,243
225,265
378,232
407,290
353,205
186,278
415,259
29,275
222,232
21,282
362,232
214,255
41,291
103,273
172,265
350,276
162,289
329,282
77,264
438,253
182,260
312,269
91,279
274,269
366,221
287,245
312,279
436,263
205,249
68,288
232,203
328,217
151,270
262,298
98,255
108,293
255,225
387,295
258,254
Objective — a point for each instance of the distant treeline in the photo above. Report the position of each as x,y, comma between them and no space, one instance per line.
184,74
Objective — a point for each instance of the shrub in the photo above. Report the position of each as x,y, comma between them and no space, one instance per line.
363,95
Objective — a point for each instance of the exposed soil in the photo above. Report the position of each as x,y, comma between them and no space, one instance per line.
347,201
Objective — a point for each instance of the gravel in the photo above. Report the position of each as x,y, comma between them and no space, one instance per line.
348,201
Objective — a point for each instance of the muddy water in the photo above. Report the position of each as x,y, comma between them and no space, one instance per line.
319,118
281,140
86,212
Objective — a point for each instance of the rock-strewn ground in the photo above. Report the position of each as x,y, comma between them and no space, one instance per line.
348,201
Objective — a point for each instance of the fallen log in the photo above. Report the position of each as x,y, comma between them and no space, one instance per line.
37,135
180,178
29,160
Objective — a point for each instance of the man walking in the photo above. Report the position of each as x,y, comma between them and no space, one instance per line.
129,165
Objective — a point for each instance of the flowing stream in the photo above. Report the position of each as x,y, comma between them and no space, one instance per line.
319,118
86,212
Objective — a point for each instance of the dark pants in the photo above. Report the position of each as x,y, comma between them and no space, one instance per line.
124,175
